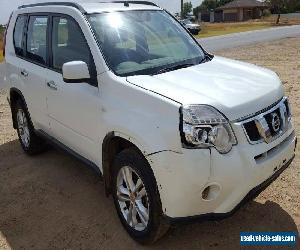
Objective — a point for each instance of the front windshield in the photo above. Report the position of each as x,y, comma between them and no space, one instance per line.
142,42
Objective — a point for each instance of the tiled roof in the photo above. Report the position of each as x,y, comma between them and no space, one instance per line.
243,4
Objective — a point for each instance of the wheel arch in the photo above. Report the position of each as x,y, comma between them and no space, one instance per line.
113,143
14,95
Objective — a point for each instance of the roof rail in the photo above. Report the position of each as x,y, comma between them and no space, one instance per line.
126,3
79,7
70,4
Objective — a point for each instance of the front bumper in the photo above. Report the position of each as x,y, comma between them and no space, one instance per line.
253,193
234,177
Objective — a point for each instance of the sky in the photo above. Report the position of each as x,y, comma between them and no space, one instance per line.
7,6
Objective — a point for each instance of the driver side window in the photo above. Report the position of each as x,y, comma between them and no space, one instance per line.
69,44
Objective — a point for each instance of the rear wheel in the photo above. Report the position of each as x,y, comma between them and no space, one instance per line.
30,142
136,197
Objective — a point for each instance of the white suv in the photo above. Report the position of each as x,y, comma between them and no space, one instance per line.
177,133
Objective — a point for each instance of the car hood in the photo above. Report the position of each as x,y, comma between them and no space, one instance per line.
235,88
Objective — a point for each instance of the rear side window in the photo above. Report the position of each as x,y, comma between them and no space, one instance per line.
18,35
36,45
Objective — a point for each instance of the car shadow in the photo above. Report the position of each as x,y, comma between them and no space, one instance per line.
53,201
224,234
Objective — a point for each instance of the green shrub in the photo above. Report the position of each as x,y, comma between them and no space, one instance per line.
266,13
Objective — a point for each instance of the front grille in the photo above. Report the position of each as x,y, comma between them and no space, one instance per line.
286,103
252,131
268,118
261,127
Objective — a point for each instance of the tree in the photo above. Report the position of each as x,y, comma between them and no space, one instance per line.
282,6
2,28
277,7
208,5
181,9
196,11
187,8
223,2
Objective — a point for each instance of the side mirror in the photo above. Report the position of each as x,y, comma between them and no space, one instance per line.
75,72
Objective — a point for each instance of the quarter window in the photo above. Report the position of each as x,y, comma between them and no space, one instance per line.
36,49
18,35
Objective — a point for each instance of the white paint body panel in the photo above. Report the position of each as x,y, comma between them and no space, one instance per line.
145,111
235,88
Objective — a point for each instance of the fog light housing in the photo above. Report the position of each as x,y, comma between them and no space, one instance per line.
211,192
205,193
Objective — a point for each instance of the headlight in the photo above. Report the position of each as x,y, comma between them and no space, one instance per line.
203,126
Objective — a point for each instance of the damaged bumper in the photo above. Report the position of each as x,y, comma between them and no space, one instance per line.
203,183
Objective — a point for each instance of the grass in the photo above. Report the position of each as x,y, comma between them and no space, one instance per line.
217,29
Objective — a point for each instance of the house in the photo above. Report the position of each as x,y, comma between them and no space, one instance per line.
241,10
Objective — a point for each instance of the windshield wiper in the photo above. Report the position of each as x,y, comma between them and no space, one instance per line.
175,67
205,58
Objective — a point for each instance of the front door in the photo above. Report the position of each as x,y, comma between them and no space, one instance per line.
73,107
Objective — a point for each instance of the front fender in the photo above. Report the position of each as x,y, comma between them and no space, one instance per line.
181,179
149,120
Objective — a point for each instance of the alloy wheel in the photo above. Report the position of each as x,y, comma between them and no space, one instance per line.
132,198
23,128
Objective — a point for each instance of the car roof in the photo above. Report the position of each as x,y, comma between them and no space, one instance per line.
114,6
93,6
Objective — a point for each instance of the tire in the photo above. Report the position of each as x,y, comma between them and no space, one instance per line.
30,142
145,201
194,32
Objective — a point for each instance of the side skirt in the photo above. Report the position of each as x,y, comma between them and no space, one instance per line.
57,144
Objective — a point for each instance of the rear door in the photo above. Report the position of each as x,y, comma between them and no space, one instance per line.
14,50
33,68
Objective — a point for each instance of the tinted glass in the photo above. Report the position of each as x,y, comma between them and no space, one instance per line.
143,42
18,35
37,39
68,43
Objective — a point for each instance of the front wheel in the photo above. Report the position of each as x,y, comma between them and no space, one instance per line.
195,32
136,197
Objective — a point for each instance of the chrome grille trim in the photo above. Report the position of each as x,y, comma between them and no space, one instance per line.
247,117
261,116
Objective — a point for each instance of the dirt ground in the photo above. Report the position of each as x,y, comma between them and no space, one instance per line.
52,201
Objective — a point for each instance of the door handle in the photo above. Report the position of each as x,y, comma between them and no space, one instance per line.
24,73
52,85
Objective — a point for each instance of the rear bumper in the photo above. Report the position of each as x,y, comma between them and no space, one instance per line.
219,216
